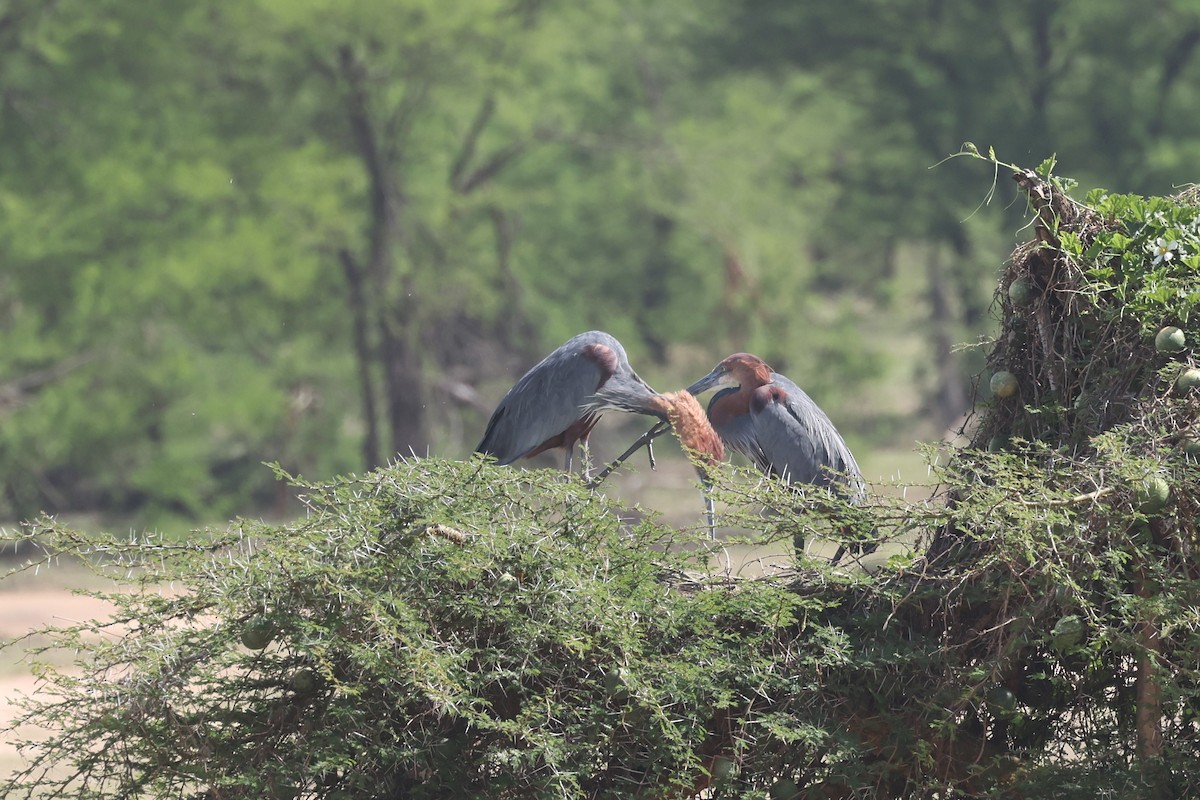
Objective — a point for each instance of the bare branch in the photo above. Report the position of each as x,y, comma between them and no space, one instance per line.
466,153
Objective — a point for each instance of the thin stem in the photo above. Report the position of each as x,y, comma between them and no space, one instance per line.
644,440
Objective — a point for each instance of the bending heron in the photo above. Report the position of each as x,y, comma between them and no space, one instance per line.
559,401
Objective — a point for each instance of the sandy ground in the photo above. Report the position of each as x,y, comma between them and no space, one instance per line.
35,602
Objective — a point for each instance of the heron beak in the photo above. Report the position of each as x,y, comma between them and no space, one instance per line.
715,378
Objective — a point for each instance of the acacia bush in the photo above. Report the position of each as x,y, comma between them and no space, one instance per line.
454,629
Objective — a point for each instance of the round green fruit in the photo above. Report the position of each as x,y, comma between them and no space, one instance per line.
1004,384
279,790
636,713
1190,446
616,684
1152,494
997,443
723,768
304,680
257,633
785,789
1001,700
1020,292
449,749
1170,340
1066,633
1187,379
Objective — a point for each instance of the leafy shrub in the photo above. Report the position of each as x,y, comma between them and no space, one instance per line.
430,630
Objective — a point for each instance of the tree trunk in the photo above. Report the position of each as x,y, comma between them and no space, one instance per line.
403,375
360,314
1149,695
951,395
392,302
515,331
1147,685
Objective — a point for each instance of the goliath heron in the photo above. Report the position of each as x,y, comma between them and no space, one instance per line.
771,421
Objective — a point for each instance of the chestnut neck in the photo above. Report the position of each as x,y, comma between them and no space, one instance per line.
750,372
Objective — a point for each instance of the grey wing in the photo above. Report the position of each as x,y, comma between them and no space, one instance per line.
802,444
543,403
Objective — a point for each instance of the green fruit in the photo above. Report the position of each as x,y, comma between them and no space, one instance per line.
1066,633
449,749
636,714
277,790
1001,700
258,633
997,443
304,680
616,684
507,582
1004,384
1190,446
723,768
1036,692
1170,340
785,789
1140,533
1187,379
1152,494
1020,292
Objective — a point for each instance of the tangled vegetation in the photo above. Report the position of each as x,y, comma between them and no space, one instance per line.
454,629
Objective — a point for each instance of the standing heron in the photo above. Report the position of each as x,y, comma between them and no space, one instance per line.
559,401
771,421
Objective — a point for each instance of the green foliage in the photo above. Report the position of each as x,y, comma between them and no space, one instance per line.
433,629
458,629
179,186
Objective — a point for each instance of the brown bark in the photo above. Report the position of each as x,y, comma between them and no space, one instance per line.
1147,686
513,325
359,314
951,398
404,379
392,310
1148,691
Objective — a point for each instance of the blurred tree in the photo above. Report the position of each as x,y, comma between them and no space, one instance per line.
321,234
473,128
138,271
1105,82
209,207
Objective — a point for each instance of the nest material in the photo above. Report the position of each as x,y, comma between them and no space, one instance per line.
1082,366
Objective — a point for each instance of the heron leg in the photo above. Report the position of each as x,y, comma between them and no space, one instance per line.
711,513
585,455
570,458
856,549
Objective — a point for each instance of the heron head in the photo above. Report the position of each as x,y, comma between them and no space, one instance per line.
738,369
630,394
